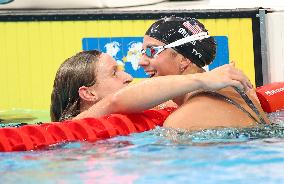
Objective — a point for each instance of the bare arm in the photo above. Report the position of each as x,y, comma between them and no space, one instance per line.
154,91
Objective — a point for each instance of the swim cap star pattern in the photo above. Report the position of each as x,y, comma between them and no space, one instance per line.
169,29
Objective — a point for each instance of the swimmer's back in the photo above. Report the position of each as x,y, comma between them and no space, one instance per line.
202,111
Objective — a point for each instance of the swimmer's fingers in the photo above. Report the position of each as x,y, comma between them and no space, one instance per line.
240,80
229,75
246,82
238,84
224,76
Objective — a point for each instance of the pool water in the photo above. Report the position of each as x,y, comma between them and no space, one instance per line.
254,155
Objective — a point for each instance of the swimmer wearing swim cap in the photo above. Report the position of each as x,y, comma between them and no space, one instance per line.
180,46
170,29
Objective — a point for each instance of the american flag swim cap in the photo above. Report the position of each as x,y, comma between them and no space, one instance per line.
170,29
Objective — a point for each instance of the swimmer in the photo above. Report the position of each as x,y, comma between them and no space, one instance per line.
165,53
91,84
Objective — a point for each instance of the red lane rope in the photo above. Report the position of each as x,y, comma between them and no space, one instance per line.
32,137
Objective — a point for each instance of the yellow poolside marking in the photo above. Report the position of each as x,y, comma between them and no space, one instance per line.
16,118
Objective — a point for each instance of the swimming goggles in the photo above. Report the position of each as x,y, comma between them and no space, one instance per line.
153,51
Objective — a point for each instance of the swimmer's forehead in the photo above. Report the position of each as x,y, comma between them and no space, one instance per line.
106,61
149,42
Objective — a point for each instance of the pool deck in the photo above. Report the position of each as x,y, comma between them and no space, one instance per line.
274,5
210,4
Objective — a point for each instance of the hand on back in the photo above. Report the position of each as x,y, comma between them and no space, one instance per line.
224,76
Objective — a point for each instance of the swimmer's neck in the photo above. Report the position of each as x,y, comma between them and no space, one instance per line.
191,69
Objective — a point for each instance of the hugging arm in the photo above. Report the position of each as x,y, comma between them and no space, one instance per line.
154,91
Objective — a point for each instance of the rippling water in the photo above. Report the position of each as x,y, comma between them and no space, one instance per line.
252,155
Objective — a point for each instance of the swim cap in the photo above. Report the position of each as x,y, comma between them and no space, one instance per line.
169,29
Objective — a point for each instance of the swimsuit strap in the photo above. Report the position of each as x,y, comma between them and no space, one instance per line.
250,104
227,99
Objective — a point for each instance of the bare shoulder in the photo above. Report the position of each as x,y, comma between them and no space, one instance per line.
206,111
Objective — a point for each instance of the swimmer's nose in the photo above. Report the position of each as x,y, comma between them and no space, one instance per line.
128,78
144,61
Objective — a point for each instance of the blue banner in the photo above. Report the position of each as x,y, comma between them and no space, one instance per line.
127,52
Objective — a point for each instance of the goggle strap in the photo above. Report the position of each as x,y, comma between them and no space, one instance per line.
160,49
187,39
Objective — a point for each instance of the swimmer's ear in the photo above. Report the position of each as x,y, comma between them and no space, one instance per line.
87,94
184,63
